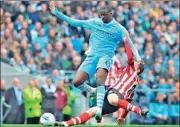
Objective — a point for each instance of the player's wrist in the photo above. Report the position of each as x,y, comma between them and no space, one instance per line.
54,11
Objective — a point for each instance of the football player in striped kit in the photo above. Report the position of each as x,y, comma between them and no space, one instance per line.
118,94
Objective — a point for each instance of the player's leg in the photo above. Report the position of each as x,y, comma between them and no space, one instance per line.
121,103
79,82
81,119
101,75
103,67
87,69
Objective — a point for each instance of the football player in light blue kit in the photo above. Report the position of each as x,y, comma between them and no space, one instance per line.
106,35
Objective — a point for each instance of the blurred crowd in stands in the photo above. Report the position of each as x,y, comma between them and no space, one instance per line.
34,41
36,99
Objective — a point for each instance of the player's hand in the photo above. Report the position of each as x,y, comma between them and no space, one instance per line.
120,121
52,6
142,62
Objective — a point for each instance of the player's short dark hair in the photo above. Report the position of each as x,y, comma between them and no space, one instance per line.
141,68
106,8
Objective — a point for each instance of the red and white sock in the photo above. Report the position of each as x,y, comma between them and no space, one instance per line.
83,118
128,106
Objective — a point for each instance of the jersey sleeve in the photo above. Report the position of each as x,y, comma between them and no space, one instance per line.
129,52
134,50
125,37
71,21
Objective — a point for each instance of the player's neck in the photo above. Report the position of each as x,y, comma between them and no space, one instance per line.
108,21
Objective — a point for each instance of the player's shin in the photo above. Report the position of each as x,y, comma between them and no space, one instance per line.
81,119
86,88
100,101
128,106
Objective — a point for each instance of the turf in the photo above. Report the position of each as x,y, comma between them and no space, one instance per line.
37,125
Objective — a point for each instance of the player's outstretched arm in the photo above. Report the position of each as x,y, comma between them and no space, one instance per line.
71,21
134,49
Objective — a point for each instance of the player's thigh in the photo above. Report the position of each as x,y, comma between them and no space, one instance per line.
102,68
113,99
89,66
107,107
80,78
104,62
101,75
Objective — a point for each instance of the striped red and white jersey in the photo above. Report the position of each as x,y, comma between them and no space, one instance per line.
126,82
114,71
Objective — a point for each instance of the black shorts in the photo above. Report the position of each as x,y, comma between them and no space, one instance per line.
107,107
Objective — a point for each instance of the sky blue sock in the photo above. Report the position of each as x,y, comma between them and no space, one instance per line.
86,88
100,99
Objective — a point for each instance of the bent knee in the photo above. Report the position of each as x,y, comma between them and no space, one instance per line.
113,99
92,111
77,82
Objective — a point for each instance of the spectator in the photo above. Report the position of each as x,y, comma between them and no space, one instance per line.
56,60
67,111
44,15
41,38
34,30
59,48
8,37
55,26
37,83
22,35
61,100
170,36
26,56
175,97
76,63
175,100
32,66
52,36
39,59
148,58
162,86
14,98
4,57
32,99
47,65
171,84
18,22
162,48
19,64
150,79
3,88
55,76
159,110
23,47
48,92
33,14
3,93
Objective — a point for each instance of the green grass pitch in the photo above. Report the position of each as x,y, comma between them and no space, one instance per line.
37,125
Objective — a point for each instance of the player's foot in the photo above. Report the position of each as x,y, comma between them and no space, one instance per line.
144,113
60,124
98,118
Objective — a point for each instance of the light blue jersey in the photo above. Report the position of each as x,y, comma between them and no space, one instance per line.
105,37
103,41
